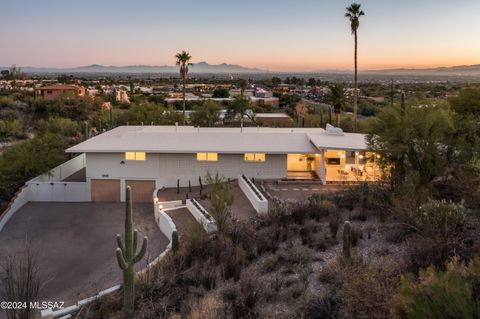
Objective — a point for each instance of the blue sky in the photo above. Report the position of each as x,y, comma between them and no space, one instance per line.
275,35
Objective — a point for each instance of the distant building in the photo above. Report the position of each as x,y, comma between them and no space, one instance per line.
52,92
121,96
238,92
255,101
262,93
273,119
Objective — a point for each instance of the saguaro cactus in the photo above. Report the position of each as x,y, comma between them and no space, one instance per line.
347,240
127,257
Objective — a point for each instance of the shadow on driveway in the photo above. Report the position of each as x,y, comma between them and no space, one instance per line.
75,244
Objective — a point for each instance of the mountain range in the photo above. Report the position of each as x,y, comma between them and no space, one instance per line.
224,68
201,67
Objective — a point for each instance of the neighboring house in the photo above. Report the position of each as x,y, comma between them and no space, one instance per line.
273,119
149,157
121,95
262,93
256,101
52,92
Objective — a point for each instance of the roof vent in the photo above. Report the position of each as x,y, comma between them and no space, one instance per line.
332,130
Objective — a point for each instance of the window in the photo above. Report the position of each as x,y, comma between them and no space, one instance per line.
207,157
135,156
255,157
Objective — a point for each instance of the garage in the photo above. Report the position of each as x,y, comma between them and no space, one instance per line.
105,190
142,191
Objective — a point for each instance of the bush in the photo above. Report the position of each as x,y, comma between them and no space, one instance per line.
325,307
365,290
207,308
441,218
11,128
242,298
436,294
221,200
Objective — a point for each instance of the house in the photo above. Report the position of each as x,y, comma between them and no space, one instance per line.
121,95
149,157
52,92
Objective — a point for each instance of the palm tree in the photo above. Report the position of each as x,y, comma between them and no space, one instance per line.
354,12
183,60
336,98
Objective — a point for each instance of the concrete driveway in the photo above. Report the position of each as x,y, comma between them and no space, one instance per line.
75,244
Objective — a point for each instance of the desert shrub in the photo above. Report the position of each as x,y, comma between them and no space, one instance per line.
242,297
268,240
359,216
11,128
296,255
233,263
441,218
291,211
21,282
195,239
440,234
319,206
366,289
221,200
422,252
324,306
396,235
271,263
440,294
208,307
243,234
347,199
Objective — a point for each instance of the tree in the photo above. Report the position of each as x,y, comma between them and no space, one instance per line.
354,13
337,98
276,80
242,84
28,159
311,82
221,199
239,106
183,60
413,145
452,293
220,92
206,114
466,108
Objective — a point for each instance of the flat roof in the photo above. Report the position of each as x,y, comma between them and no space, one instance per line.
272,115
189,139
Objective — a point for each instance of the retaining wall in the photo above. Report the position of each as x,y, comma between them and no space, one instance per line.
202,216
258,200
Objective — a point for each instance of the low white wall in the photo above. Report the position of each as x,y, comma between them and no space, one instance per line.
260,204
170,204
209,225
164,222
59,191
63,170
20,199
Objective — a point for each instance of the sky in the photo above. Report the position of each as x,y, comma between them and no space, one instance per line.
275,35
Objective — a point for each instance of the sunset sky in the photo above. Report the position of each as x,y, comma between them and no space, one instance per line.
282,35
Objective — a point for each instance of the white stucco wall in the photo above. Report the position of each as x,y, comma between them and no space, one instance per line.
167,168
